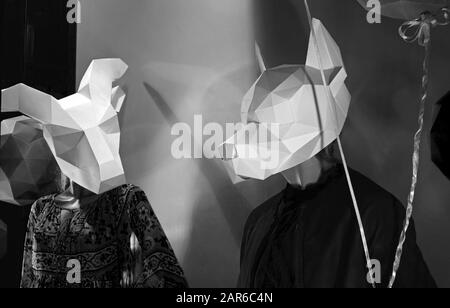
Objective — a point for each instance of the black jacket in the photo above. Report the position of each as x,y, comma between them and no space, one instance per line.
310,238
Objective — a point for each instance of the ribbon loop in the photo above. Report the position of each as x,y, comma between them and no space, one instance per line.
419,29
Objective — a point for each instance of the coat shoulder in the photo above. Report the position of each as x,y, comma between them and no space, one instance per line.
375,202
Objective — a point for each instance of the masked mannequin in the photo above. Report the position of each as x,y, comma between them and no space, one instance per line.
308,236
86,236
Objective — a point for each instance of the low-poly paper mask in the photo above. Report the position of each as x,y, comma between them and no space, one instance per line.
82,130
27,167
286,114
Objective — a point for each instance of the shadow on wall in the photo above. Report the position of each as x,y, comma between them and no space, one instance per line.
236,200
220,184
201,254
384,79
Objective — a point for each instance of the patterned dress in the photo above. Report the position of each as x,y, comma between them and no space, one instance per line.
98,240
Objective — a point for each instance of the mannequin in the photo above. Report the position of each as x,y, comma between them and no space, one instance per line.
86,236
309,235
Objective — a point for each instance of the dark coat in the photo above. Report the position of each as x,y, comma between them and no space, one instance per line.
310,238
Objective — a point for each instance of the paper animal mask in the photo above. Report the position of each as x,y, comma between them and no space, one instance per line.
27,167
407,9
82,130
289,104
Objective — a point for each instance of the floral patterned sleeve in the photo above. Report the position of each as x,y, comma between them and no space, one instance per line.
27,268
160,267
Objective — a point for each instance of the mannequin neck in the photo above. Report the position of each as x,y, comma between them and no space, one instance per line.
75,190
306,173
74,196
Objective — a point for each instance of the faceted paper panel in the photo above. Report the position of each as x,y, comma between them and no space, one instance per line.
27,166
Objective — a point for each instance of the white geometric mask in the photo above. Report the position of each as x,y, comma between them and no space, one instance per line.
290,103
81,130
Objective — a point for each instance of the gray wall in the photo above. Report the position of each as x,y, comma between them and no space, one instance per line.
191,57
186,57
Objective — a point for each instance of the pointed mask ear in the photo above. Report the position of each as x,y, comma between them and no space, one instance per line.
99,77
259,57
29,101
330,54
38,105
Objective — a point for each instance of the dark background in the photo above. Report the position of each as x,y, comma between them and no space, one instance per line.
38,47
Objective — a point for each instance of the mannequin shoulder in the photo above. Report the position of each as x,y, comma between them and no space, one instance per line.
125,191
40,204
130,190
132,196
